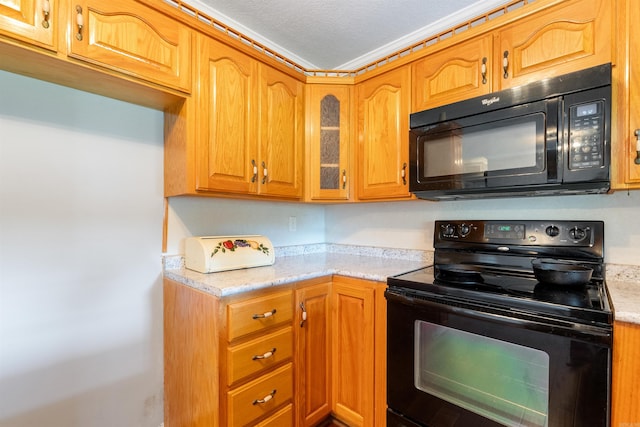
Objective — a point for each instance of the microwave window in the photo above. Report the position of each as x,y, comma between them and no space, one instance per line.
504,145
502,381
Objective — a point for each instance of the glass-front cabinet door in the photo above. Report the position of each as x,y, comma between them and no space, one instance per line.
329,139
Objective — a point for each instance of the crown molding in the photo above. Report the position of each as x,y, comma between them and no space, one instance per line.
251,34
470,12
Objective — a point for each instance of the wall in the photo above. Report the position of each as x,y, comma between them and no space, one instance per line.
190,216
81,209
410,224
407,224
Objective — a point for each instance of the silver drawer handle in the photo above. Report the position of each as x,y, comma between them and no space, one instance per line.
265,315
267,355
265,399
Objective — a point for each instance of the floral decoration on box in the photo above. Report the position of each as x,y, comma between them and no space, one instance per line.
232,245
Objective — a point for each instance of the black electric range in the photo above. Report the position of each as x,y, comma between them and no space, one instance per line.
489,263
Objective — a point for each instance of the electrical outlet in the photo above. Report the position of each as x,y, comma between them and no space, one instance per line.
292,223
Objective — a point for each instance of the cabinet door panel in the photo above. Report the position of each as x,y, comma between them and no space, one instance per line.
353,352
313,354
329,140
227,125
626,374
383,128
133,39
26,20
561,40
282,134
459,72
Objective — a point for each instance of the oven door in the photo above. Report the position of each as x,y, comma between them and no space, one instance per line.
456,366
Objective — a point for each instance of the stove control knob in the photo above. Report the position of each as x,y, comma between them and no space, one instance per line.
464,230
552,231
577,233
448,230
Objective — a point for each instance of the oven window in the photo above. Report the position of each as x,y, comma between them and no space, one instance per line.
511,144
504,382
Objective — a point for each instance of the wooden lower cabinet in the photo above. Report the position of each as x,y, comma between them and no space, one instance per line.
229,361
358,351
626,375
293,356
313,353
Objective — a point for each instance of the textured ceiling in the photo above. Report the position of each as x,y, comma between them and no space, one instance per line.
340,34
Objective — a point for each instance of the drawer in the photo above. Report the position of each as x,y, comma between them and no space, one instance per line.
260,397
282,418
257,314
258,354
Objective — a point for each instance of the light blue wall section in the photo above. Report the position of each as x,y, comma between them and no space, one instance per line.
81,209
410,224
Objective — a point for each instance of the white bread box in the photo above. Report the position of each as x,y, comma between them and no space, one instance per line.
209,254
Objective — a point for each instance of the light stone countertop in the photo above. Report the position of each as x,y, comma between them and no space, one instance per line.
623,284
291,269
623,281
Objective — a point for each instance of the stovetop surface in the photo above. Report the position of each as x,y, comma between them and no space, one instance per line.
588,304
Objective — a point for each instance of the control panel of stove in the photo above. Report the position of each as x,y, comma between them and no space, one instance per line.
520,232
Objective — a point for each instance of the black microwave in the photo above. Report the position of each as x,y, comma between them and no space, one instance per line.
548,137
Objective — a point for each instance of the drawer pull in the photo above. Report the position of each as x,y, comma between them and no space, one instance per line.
265,399
265,315
267,355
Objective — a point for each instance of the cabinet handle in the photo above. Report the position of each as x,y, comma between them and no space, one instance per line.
265,315
79,22
403,174
265,399
304,314
505,64
267,355
265,173
483,70
46,9
255,171
344,179
637,134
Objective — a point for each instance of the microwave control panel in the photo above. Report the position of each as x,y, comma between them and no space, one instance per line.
586,135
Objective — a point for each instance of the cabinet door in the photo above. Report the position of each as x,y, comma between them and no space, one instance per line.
565,38
281,134
626,375
353,317
383,129
625,144
459,72
633,132
329,137
227,120
133,39
33,21
313,376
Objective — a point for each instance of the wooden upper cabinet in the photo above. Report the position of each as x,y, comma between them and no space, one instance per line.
281,128
132,39
383,132
571,36
626,133
329,126
227,116
454,74
32,21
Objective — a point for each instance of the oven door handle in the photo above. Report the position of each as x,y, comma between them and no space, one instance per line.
516,318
